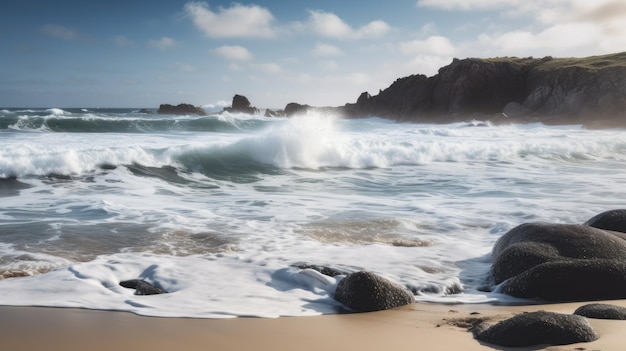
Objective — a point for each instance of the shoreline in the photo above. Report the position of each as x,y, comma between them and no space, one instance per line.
426,326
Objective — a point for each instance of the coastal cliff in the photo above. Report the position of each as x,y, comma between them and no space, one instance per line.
590,91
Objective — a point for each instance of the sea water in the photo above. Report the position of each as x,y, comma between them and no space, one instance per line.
220,210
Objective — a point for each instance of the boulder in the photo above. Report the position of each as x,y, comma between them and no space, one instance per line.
180,109
241,104
560,262
293,109
366,292
535,328
142,287
602,311
610,220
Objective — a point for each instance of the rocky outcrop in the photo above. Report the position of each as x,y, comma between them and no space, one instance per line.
602,311
560,262
293,109
588,90
535,328
366,292
241,104
180,109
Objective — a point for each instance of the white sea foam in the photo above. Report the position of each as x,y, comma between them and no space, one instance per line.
220,219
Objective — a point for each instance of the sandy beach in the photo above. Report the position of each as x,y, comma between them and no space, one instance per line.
422,326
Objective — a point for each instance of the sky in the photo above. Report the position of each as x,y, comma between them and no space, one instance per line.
142,53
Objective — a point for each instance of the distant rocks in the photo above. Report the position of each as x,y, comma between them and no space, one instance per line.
535,328
562,262
241,104
146,111
366,292
180,109
590,90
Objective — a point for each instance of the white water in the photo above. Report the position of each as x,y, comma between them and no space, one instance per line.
222,226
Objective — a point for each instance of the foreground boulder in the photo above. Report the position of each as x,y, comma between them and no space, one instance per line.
537,328
366,292
610,220
180,109
602,311
560,262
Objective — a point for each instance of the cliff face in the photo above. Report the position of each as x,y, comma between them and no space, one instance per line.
553,90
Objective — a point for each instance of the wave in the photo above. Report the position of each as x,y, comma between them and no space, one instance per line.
64,122
309,142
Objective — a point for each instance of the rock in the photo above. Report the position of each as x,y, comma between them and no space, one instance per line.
180,109
366,292
537,328
610,220
241,104
331,272
146,111
560,262
272,113
602,311
142,287
293,109
590,90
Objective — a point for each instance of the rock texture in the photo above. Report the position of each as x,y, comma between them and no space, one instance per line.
180,109
241,104
560,262
609,220
588,90
142,287
535,328
602,311
366,292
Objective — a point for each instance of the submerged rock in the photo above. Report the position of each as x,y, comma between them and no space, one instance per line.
537,328
142,287
366,292
602,311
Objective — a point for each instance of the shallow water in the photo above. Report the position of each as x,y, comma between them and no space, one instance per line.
219,210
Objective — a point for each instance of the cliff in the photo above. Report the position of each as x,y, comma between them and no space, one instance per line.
589,91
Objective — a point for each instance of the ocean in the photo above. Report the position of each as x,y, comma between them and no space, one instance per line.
221,210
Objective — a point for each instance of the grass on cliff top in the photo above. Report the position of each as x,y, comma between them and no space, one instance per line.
548,63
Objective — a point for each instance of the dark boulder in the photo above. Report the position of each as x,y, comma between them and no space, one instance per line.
142,287
602,311
610,220
293,109
535,328
329,271
366,292
560,262
180,109
241,104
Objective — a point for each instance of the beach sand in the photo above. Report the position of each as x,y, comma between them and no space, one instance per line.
422,326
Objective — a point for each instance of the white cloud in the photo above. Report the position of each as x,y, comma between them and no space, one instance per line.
332,26
268,67
237,21
234,52
123,41
326,50
59,32
433,45
165,43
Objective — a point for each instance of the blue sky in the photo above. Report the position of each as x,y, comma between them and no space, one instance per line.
138,53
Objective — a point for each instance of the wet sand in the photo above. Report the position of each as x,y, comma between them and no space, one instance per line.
422,326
